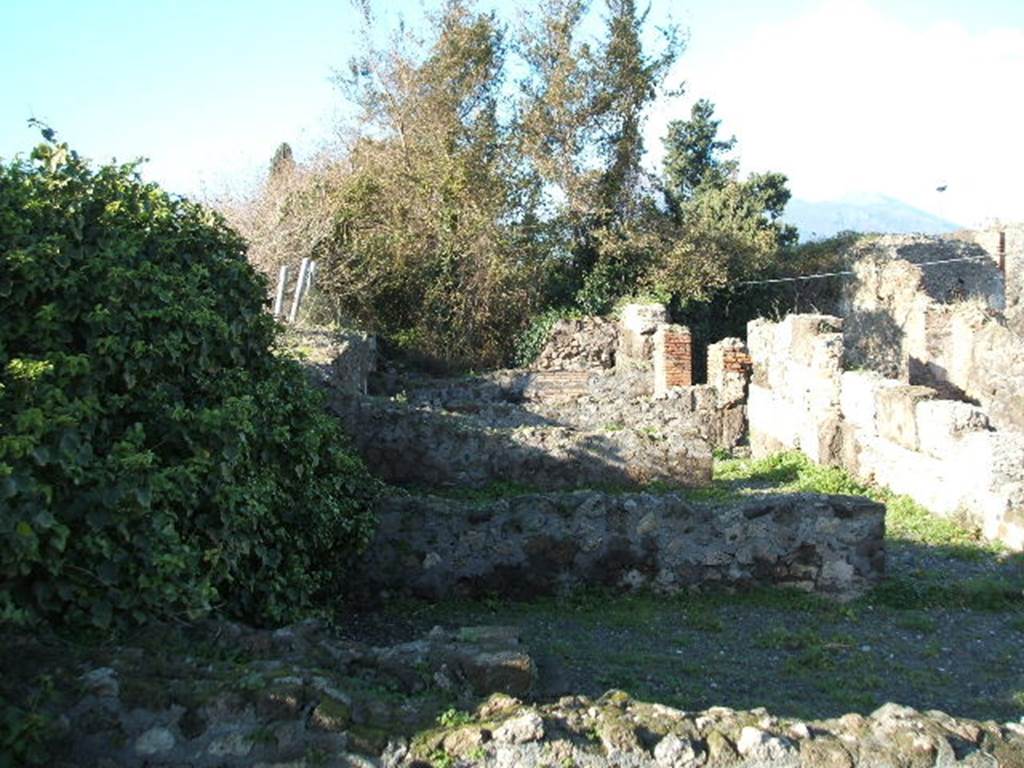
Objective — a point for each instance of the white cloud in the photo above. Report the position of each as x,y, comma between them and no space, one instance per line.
847,98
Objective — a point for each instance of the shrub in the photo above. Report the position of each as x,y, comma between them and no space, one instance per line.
156,457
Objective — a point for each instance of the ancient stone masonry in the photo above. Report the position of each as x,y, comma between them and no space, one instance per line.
945,454
1004,243
616,730
939,326
637,325
297,696
426,447
729,372
301,696
576,422
555,542
583,343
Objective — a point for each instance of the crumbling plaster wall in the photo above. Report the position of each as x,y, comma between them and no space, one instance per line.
943,453
938,326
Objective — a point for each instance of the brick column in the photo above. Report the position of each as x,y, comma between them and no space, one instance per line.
673,358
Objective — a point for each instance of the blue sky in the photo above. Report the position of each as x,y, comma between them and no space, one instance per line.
845,96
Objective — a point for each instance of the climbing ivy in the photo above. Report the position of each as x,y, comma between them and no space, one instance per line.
156,457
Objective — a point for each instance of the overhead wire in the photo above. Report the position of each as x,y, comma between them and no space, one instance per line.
847,273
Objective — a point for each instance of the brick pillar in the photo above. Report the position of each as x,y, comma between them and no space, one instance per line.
673,358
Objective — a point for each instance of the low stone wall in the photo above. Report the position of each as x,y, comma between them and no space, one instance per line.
551,543
619,731
942,453
422,446
617,402
295,696
302,696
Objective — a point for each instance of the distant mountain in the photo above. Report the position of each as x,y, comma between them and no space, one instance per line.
862,213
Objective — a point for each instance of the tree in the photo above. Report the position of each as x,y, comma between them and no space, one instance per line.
728,229
425,247
628,81
694,154
582,113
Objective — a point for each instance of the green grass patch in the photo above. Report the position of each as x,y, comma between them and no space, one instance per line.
792,472
916,621
982,593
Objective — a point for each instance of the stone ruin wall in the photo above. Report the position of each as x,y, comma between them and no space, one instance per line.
553,543
580,344
945,454
939,326
585,416
593,427
314,698
434,448
1013,258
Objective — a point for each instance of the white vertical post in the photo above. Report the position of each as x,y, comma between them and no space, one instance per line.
282,283
310,276
300,285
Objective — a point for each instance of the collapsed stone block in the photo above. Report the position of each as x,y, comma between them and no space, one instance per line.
896,414
942,424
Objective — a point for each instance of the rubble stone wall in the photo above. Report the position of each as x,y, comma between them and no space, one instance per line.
616,730
551,543
580,344
423,446
945,454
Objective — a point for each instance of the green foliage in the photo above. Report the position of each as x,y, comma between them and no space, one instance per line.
425,247
729,230
694,154
531,342
453,718
25,737
156,457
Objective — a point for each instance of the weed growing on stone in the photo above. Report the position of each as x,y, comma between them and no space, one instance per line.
452,718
